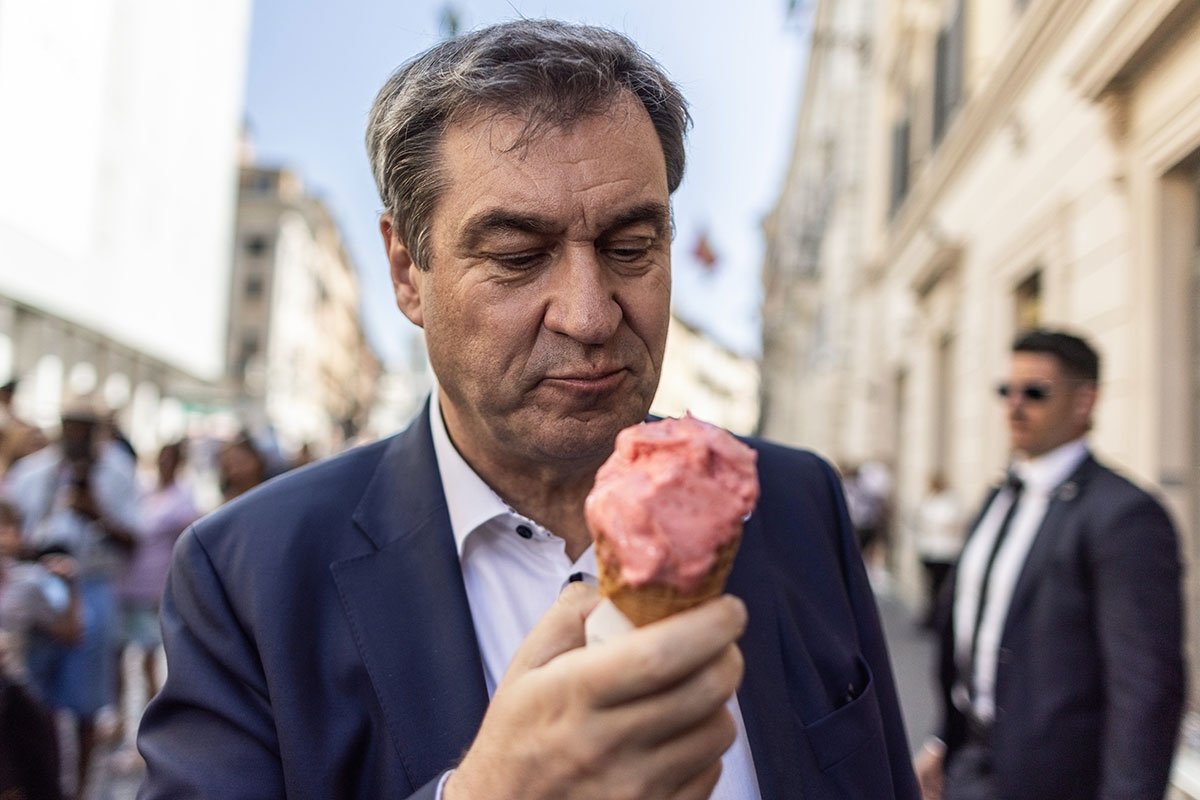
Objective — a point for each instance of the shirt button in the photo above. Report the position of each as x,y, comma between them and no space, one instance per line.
524,532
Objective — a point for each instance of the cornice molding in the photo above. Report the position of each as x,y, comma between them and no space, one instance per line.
1107,61
1046,23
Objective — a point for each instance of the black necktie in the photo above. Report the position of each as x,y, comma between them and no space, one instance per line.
1014,486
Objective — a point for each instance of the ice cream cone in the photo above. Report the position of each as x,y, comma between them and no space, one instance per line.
654,601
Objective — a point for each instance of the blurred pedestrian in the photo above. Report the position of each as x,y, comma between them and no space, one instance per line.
17,437
79,496
407,619
868,497
166,509
1062,668
240,466
939,539
37,600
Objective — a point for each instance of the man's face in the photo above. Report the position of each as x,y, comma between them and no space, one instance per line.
1037,426
546,302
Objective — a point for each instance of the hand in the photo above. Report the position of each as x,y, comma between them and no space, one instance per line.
930,765
60,565
642,716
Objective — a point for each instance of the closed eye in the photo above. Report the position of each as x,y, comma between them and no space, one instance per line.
520,262
627,254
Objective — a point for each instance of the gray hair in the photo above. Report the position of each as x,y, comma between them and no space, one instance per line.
553,73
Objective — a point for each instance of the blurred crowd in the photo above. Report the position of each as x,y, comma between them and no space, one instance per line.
87,529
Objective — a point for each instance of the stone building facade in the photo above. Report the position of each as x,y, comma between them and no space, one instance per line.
298,358
706,378
1026,162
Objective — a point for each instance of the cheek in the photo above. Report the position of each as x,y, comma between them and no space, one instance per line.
647,310
478,334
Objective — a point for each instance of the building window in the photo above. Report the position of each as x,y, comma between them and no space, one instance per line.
943,399
254,286
948,74
901,133
1028,302
257,246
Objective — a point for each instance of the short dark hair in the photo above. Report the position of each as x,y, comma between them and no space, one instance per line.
551,73
1075,356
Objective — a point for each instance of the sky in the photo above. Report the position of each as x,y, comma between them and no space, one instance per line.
315,66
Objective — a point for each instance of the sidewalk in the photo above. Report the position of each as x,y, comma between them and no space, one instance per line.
912,651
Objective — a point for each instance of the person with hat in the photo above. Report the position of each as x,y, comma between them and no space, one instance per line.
79,496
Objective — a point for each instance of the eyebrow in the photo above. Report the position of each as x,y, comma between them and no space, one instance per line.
656,214
500,221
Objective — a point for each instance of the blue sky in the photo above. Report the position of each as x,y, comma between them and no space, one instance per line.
315,66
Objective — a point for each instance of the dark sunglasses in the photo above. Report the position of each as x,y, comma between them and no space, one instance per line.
1033,392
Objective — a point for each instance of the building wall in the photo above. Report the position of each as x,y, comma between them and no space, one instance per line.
1073,156
118,167
709,381
298,357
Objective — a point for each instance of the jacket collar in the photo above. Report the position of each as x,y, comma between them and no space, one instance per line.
408,609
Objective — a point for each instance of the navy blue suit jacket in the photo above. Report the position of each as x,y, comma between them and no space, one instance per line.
1090,675
320,642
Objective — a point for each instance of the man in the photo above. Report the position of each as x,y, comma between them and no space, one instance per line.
37,600
407,619
1062,666
79,496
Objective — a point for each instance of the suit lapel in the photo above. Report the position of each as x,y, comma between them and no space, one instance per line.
1062,504
409,613
767,714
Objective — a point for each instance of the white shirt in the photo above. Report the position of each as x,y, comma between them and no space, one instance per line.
1041,477
513,579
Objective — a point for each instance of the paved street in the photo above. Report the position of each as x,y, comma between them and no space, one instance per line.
912,660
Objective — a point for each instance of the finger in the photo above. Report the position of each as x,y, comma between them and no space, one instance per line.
699,745
560,629
700,786
651,720
652,658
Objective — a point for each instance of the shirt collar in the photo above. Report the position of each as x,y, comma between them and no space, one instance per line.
1050,469
470,501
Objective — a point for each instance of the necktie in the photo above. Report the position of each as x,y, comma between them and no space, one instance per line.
1014,486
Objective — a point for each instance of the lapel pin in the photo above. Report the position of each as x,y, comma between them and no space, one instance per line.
1068,491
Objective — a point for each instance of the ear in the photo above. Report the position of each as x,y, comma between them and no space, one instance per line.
1085,403
406,276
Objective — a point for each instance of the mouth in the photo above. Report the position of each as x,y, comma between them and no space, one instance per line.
586,381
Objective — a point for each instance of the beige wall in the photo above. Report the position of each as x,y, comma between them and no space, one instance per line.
1075,155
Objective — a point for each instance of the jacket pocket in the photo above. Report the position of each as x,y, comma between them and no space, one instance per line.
849,744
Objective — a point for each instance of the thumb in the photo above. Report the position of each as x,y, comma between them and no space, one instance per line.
560,629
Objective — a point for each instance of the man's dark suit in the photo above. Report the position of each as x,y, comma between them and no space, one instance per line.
1089,677
321,644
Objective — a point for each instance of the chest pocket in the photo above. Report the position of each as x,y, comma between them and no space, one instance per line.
848,743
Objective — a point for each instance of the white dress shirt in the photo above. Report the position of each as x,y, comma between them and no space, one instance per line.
514,569
1041,477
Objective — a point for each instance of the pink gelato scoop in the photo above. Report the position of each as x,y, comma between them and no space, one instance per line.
671,494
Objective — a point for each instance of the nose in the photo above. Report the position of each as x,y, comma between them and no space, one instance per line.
583,302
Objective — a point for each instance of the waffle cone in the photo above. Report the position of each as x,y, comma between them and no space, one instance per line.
651,602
